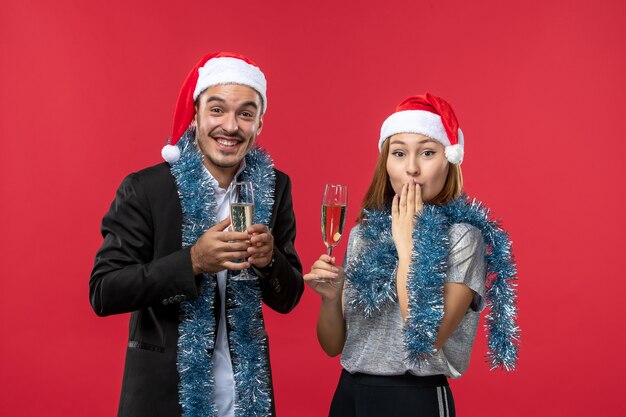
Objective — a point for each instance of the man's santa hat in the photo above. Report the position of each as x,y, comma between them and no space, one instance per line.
430,116
214,69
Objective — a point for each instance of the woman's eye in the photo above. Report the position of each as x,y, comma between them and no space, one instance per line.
398,153
429,153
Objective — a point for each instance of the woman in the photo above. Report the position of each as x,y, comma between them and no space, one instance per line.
416,276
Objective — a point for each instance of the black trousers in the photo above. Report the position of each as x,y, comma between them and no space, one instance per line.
362,395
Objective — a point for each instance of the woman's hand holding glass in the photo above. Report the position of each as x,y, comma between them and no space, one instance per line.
326,278
403,210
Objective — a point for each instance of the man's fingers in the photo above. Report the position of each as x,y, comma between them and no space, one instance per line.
261,238
260,261
236,266
258,228
235,255
234,246
259,253
233,236
220,226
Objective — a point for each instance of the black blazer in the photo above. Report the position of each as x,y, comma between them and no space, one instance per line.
142,269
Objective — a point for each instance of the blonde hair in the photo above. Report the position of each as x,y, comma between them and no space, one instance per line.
380,193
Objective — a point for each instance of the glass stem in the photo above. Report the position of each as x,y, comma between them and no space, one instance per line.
329,250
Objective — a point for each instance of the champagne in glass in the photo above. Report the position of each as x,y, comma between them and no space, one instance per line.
333,219
241,217
334,204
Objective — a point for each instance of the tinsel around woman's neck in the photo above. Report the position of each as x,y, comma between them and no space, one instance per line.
370,272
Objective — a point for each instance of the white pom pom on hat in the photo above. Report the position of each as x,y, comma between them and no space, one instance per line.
170,153
454,154
213,69
427,115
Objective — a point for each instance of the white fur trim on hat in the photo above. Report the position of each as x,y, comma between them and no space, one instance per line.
226,70
424,123
414,121
170,153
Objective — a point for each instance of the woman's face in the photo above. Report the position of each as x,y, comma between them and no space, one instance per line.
415,157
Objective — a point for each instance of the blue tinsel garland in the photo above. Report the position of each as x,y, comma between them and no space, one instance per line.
246,335
369,272
197,327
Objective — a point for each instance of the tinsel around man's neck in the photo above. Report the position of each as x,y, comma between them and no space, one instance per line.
197,327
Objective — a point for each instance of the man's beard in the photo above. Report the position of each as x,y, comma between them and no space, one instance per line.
222,164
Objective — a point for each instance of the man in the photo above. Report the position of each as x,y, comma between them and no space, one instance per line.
197,343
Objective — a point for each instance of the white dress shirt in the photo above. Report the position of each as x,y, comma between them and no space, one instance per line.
224,394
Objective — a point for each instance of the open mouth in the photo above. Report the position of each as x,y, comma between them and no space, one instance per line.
227,143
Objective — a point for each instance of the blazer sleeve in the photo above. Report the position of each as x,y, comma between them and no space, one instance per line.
126,276
282,284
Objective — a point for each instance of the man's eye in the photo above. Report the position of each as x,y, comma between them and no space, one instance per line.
246,114
216,110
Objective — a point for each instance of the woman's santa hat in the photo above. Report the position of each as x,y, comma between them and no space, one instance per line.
430,116
214,69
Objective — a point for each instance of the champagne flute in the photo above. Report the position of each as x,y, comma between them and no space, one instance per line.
242,217
334,205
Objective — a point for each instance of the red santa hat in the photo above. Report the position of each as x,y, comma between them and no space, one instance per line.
430,116
213,69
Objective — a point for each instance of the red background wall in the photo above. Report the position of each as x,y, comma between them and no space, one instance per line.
88,90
